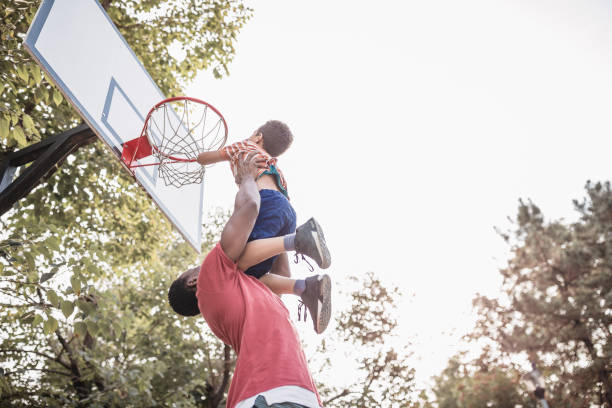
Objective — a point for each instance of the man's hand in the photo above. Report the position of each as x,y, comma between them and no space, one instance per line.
248,166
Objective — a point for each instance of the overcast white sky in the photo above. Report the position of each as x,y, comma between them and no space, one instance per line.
418,127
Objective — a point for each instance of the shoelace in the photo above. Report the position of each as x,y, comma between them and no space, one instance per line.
300,306
297,259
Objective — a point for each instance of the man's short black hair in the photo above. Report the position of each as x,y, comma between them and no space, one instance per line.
276,137
182,298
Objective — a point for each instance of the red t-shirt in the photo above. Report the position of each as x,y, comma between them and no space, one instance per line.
250,318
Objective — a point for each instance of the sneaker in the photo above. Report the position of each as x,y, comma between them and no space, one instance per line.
317,299
309,241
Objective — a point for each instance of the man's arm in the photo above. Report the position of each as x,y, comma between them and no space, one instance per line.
211,157
246,207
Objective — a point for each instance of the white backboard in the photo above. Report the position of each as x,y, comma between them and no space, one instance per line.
83,53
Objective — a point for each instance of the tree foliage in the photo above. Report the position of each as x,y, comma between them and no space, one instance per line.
86,258
383,376
478,384
92,338
557,303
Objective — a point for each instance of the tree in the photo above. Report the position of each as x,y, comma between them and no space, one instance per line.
557,300
382,376
472,384
86,258
113,343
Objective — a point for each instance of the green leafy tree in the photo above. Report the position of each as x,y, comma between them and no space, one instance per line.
86,258
382,376
557,300
115,342
474,385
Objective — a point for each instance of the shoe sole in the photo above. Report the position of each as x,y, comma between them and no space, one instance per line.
323,304
319,239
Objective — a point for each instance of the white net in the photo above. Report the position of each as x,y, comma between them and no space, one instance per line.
178,131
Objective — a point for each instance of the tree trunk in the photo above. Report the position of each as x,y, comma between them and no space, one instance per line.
602,373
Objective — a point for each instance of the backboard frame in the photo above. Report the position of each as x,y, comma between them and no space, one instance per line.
147,179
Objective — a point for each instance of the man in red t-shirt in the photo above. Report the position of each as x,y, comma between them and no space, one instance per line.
271,368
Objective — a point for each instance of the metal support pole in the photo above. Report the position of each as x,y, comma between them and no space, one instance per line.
45,156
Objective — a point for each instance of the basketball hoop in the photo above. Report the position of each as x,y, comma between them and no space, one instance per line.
175,132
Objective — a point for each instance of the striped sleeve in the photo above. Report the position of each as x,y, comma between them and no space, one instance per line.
233,151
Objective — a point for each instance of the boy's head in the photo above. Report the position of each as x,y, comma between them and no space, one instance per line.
274,136
182,293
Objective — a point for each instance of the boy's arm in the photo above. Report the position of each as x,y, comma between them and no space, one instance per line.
211,157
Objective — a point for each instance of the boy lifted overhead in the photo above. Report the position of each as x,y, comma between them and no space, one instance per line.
276,217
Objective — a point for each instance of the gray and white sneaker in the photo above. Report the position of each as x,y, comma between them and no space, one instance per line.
317,299
309,241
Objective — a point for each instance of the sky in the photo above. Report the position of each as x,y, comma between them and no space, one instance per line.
418,126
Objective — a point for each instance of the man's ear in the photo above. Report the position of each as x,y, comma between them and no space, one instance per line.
258,137
193,279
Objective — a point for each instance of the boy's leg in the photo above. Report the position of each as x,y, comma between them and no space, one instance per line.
281,262
314,293
260,250
307,240
317,299
280,284
280,266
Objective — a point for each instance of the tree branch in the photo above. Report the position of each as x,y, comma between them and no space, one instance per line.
19,282
56,359
344,393
602,373
128,26
74,367
27,305
82,388
105,4
30,394
44,370
227,363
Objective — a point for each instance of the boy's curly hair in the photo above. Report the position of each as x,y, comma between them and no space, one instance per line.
276,137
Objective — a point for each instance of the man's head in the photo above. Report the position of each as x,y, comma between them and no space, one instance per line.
274,136
182,293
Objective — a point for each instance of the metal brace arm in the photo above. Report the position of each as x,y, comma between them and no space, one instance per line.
46,156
